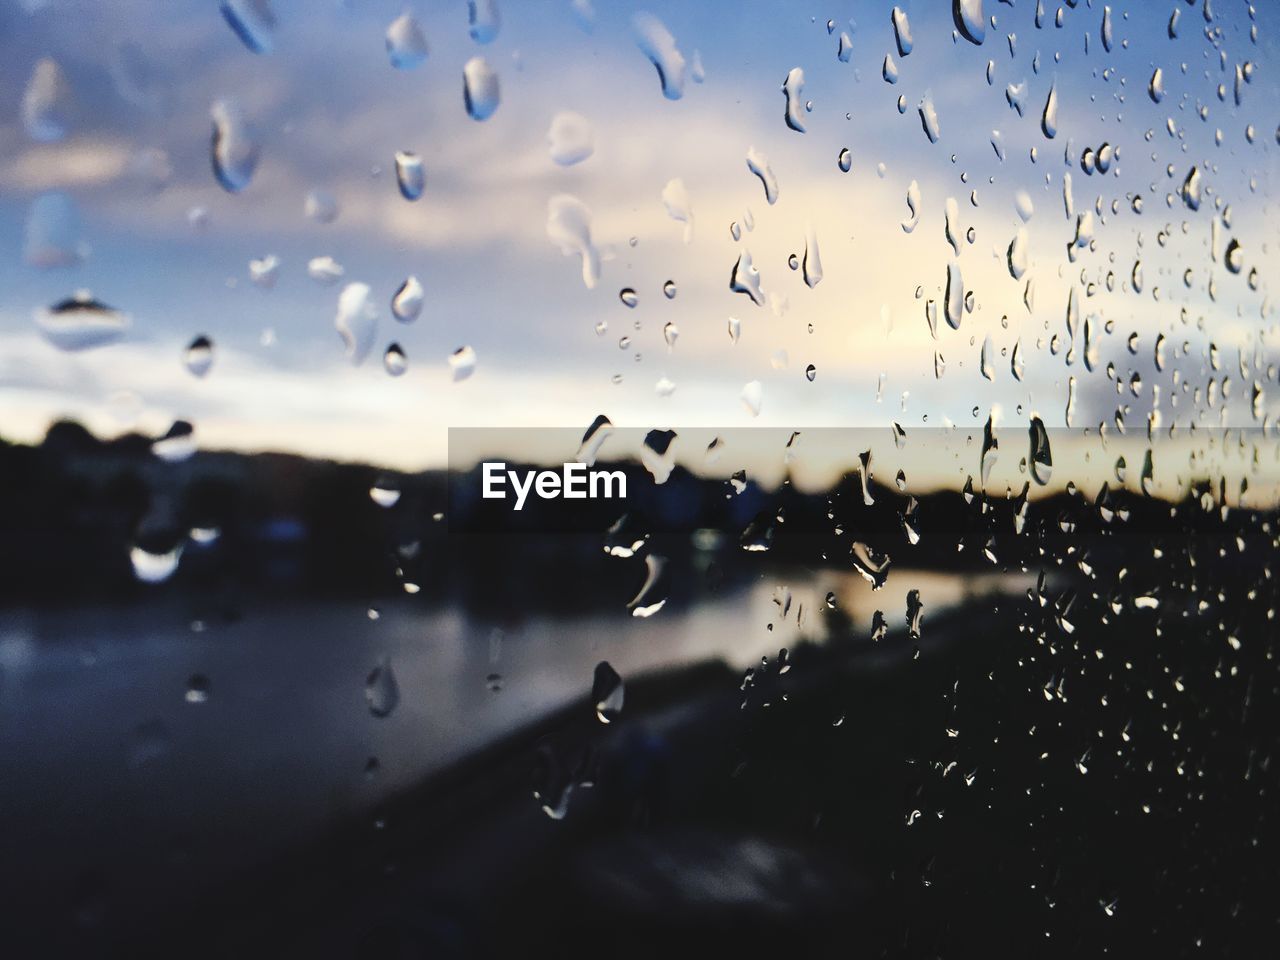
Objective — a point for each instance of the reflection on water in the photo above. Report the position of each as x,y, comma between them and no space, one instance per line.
106,757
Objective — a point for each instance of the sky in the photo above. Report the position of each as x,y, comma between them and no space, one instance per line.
329,112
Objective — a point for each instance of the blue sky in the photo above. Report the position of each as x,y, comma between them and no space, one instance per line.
329,109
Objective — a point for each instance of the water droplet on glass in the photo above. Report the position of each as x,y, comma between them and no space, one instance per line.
462,363
570,139
607,692
845,160
235,148
1155,89
46,102
812,264
913,205
406,305
753,397
394,361
198,688
792,89
198,357
758,164
325,271
745,278
177,444
81,322
967,15
811,373
479,89
410,175
1191,193
1234,256
406,43
676,199
356,321
929,118
264,271
953,305
1017,256
484,20
1040,458
381,691
901,31
156,567
52,234
569,228
1049,119
600,430
657,43
652,595
915,612
252,21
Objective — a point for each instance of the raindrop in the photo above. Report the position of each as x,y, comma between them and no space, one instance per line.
753,397
890,69
406,305
929,118
953,306
658,455
52,235
151,567
628,297
252,21
1049,119
1040,458
845,160
1018,254
913,205
394,361
479,89
1191,189
793,89
600,430
1234,256
462,363
657,43
901,31
569,228
356,321
46,102
570,139
483,16
811,373
325,270
381,691
410,175
235,147
758,164
669,291
745,278
652,595
607,692
676,199
406,43
321,206
1155,89
81,322
812,265
967,15
198,688
915,609
198,357
264,272
178,443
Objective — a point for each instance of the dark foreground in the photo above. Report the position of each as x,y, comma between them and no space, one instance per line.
1016,790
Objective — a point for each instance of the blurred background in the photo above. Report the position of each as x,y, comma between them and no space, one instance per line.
936,343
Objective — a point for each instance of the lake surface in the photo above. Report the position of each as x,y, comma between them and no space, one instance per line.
104,761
